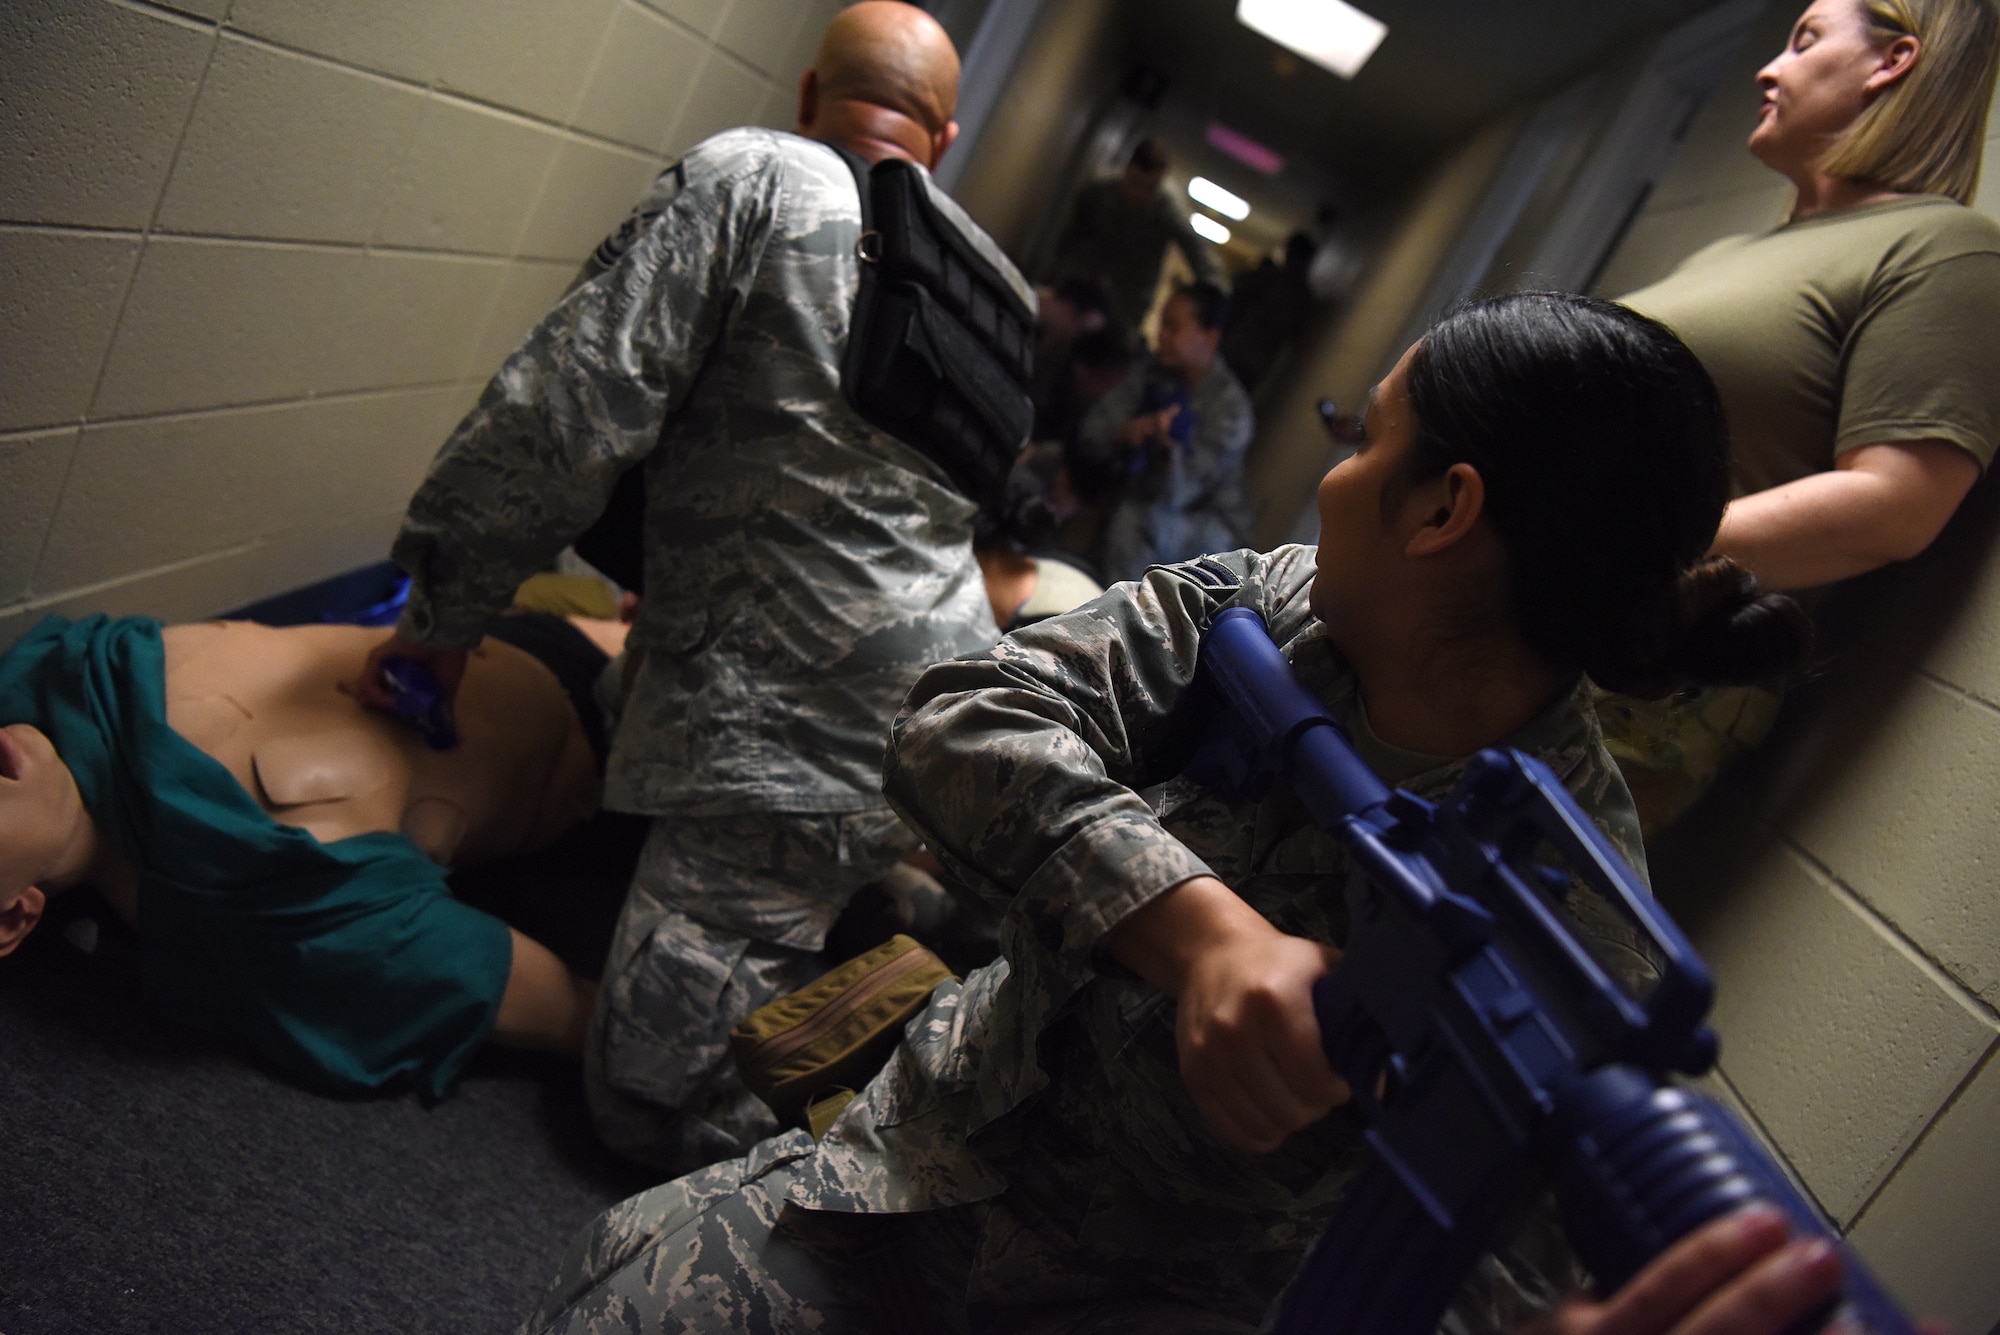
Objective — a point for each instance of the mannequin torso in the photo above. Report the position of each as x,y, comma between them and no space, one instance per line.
266,703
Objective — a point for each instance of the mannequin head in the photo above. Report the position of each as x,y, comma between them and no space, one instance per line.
42,823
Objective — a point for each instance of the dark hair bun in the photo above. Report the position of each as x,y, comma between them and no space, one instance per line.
1718,628
1726,630
1605,454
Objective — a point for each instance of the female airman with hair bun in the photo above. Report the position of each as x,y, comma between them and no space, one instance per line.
1128,1123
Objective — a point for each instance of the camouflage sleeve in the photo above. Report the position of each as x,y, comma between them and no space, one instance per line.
1215,454
1019,766
584,398
1072,246
1097,435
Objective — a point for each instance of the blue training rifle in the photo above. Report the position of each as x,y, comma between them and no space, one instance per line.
1492,1052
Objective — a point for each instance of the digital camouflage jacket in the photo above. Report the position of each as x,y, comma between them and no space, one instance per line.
1192,501
801,566
1047,1086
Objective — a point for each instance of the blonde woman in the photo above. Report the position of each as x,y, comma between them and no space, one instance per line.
1853,344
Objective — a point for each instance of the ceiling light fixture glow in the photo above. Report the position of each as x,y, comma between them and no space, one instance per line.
1209,229
1330,33
1204,191
1245,150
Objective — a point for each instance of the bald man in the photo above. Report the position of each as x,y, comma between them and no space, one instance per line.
801,566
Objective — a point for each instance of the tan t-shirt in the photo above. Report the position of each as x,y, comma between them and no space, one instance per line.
1876,324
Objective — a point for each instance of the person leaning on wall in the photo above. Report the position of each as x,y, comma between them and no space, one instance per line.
1853,344
802,567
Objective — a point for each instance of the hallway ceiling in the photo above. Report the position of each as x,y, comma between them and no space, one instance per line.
1446,67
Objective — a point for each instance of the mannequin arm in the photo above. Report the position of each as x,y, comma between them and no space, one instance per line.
545,1006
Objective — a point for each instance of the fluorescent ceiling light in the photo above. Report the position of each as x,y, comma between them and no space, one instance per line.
1208,228
1204,191
1330,33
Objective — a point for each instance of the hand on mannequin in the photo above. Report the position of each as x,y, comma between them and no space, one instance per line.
1249,1042
447,665
1738,1276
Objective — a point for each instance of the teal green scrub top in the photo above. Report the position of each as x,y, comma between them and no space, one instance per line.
347,965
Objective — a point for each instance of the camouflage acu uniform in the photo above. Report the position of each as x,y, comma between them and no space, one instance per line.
1033,1122
1192,502
1672,750
801,569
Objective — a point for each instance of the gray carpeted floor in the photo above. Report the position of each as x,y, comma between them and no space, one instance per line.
153,1183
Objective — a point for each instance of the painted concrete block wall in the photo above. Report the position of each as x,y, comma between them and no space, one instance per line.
1842,880
257,256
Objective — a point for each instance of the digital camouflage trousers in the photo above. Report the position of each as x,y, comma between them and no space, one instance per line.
724,914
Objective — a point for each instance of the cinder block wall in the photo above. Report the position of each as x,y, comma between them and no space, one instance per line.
1845,883
256,256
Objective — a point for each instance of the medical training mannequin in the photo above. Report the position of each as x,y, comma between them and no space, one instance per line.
1852,343
266,705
